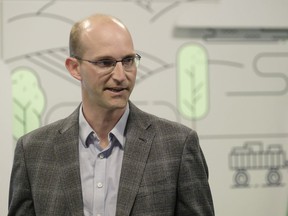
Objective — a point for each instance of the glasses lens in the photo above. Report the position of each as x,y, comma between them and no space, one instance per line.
128,62
105,63
131,63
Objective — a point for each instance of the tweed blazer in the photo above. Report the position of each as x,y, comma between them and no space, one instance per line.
163,171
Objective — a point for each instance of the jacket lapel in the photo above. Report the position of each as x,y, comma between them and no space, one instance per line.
67,154
139,137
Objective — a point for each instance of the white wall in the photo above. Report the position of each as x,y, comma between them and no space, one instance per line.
243,74
6,144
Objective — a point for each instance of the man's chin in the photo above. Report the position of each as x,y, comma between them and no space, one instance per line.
118,104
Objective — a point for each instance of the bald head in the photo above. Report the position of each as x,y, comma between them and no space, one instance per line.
96,22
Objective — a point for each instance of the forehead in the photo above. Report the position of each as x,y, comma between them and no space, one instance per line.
106,37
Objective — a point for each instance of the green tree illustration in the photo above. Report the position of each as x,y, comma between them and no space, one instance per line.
28,101
193,81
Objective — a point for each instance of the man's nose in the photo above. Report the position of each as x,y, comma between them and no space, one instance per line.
119,72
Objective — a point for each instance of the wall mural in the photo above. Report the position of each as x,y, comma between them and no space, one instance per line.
28,101
252,157
231,85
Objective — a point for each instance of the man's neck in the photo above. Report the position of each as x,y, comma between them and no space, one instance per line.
102,121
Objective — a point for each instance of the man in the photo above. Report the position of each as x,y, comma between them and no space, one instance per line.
108,157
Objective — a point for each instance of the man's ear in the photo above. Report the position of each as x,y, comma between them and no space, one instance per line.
72,66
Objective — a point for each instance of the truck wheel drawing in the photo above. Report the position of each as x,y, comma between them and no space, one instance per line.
241,177
252,156
273,177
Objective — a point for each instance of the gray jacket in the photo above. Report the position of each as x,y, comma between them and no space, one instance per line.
163,172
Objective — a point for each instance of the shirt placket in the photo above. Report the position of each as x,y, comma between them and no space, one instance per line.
99,185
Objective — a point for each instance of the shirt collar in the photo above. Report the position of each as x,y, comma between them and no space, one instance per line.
118,130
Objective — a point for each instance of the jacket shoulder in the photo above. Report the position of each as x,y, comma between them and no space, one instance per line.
158,123
51,130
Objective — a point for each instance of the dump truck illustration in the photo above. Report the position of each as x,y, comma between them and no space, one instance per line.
253,156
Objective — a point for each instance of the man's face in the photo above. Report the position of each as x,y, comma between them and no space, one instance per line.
103,87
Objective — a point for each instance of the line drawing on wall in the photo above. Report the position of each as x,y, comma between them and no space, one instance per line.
252,157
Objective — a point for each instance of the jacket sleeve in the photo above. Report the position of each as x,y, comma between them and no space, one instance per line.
20,195
193,190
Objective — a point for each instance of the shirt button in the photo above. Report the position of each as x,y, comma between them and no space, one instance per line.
99,185
101,156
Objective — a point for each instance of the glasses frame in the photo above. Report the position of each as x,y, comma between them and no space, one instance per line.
136,59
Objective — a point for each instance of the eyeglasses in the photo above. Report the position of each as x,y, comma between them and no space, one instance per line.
129,63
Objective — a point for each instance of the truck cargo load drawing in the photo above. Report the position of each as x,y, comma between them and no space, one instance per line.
253,156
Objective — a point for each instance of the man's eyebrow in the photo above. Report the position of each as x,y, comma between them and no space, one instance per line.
103,58
130,56
112,58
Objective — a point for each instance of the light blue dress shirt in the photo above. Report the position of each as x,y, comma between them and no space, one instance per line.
100,168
